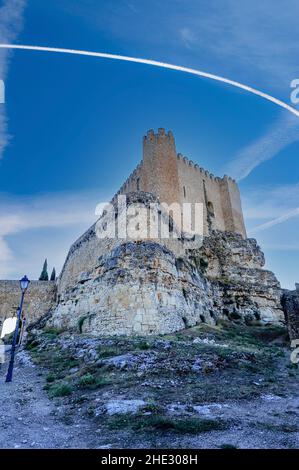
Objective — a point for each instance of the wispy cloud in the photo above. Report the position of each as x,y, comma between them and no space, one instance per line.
264,202
11,18
271,207
19,218
272,216
278,220
282,133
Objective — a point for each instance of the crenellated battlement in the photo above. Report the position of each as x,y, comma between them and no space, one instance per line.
205,172
161,135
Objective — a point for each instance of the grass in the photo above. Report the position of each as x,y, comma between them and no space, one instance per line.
108,351
51,378
143,345
92,382
152,407
248,366
86,380
51,333
31,345
60,390
163,423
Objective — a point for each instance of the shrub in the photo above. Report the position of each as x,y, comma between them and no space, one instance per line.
50,378
93,382
61,390
86,380
143,345
80,323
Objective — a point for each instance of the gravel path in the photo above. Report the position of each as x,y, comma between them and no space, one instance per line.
27,419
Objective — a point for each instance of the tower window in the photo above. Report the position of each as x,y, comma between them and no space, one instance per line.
138,184
184,190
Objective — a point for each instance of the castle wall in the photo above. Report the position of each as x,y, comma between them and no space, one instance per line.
232,208
134,182
198,185
39,298
84,254
82,258
173,179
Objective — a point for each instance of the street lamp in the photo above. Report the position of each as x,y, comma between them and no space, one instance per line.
24,283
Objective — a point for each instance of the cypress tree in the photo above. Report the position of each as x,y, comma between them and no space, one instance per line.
44,274
53,275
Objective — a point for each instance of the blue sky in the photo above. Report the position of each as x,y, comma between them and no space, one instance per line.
71,127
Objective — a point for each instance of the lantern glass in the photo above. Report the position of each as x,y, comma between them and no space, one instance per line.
24,283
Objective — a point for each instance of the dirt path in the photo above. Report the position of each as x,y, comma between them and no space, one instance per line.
28,419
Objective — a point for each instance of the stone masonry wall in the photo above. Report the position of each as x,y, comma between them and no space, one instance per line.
39,299
84,253
171,178
174,178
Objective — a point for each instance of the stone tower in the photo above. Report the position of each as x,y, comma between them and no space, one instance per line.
174,178
159,167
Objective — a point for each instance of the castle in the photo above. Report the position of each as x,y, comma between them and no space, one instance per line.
157,286
175,179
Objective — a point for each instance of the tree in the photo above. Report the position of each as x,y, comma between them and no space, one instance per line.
53,275
44,274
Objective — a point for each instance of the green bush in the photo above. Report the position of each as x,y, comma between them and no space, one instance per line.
50,378
86,380
61,390
80,323
143,345
93,381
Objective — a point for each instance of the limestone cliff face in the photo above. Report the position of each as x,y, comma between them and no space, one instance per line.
143,287
137,288
247,291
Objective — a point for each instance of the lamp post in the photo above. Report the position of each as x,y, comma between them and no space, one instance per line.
24,283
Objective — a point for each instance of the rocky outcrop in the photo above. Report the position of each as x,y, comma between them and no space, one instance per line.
290,304
142,287
248,292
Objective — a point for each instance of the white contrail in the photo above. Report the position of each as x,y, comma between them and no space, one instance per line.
156,63
278,220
